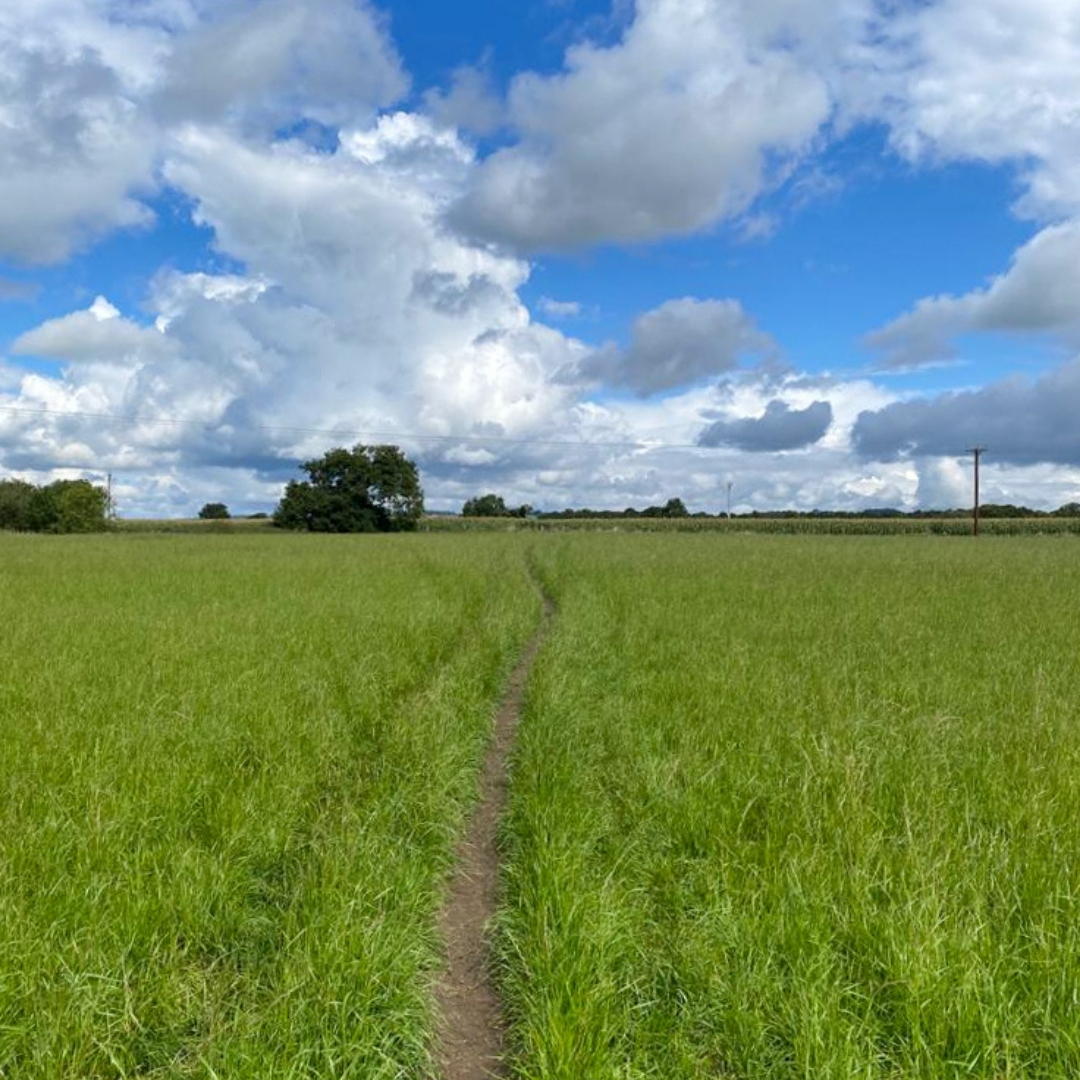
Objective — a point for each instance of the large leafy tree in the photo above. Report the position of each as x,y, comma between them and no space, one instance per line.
64,506
365,489
79,506
17,504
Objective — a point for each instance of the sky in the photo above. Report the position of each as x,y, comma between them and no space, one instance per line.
573,252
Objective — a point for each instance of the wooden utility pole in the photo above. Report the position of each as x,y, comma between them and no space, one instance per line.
729,486
978,451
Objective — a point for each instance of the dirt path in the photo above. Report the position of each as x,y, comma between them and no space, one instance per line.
470,1040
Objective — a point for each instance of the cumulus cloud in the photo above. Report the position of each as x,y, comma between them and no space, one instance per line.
1040,292
944,484
99,333
933,74
280,61
923,336
470,103
174,293
995,81
1022,422
665,132
91,94
354,311
357,314
75,151
680,342
779,428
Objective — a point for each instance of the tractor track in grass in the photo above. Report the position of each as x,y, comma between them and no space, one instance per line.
470,1039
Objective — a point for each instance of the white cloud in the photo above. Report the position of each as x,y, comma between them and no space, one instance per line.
280,61
944,484
464,455
358,312
174,293
471,103
90,91
680,342
947,483
989,80
10,376
1040,292
664,133
75,150
97,334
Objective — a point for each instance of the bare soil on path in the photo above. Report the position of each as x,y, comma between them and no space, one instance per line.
470,1042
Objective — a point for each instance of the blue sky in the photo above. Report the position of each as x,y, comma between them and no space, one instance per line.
577,253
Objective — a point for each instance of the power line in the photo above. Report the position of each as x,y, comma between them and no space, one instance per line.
133,419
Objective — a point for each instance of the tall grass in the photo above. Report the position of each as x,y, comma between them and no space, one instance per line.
231,774
792,807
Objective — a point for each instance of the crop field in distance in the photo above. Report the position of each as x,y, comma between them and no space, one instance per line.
804,525
780,806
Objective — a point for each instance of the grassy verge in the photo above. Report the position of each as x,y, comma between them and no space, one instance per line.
799,808
231,774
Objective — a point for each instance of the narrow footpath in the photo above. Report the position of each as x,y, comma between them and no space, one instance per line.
470,1040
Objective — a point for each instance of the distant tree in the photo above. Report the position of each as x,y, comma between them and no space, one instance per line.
44,512
214,512
64,506
1070,509
80,506
673,508
365,489
16,504
1005,510
485,506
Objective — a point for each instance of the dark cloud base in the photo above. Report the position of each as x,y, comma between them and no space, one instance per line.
1021,422
779,428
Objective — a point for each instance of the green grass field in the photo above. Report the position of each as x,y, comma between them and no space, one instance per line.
781,806
792,807
231,773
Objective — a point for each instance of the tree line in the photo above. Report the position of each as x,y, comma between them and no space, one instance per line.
492,505
64,506
365,489
377,489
